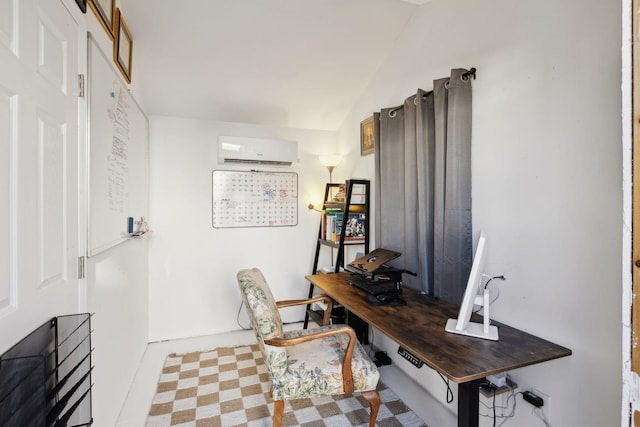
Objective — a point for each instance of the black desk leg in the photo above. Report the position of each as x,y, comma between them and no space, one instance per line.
468,403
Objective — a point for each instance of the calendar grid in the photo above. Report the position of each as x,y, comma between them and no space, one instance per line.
254,199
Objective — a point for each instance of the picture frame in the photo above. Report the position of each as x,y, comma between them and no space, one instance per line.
105,11
123,47
369,134
82,4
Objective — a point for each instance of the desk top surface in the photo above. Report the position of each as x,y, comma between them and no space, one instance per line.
419,327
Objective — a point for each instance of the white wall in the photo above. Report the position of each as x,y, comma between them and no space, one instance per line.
116,294
546,178
547,189
192,266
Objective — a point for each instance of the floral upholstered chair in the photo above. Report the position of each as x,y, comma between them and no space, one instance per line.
305,363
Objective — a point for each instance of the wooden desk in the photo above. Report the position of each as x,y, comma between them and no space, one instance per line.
419,328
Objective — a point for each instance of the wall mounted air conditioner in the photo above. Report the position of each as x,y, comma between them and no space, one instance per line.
237,149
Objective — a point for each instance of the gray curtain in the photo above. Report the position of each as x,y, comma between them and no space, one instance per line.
423,191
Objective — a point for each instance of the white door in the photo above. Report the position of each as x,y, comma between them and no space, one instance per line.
38,165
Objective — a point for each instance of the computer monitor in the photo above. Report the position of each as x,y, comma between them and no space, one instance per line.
463,325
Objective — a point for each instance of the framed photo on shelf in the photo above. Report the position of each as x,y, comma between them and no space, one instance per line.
369,134
105,10
123,47
82,4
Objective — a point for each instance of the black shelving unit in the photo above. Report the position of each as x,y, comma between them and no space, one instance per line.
354,203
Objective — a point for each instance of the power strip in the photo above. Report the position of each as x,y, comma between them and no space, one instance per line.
410,357
490,390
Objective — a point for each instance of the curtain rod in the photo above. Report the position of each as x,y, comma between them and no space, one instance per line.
470,73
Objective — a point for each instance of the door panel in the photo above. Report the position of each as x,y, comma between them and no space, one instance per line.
52,206
39,164
51,51
7,149
8,24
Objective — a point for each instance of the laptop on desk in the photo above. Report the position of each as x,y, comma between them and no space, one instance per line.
369,263
369,274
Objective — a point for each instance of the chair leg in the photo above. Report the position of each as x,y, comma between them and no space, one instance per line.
278,412
374,401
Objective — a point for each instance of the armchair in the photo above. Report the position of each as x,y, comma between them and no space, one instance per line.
306,363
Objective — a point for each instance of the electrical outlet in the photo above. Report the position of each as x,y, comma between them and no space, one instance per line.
546,408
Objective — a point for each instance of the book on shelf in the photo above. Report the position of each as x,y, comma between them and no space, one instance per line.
355,227
328,223
337,228
333,205
332,223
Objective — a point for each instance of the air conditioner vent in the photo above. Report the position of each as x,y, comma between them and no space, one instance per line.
258,162
244,150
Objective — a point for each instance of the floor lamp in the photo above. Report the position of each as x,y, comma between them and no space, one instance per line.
330,161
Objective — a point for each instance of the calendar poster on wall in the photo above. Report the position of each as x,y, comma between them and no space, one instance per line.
255,199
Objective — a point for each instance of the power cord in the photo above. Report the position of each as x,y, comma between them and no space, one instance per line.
449,391
238,318
502,414
540,414
492,279
501,277
494,408
512,395
379,357
244,328
371,345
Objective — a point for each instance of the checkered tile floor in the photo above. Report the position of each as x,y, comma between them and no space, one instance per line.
230,387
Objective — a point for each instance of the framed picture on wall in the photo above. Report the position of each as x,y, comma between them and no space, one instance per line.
105,10
123,47
82,4
369,134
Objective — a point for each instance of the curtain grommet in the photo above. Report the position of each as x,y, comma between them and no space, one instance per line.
466,76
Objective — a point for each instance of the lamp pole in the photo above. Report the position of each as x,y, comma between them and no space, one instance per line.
330,173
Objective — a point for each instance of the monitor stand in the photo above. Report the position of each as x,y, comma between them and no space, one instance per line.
478,330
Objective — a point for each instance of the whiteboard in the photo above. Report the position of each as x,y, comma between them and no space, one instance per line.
118,154
254,199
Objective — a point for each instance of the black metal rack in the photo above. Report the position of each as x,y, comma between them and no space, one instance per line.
45,379
349,206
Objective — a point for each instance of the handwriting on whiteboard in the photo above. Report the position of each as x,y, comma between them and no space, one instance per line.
117,166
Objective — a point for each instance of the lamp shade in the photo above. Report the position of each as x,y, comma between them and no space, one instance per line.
331,160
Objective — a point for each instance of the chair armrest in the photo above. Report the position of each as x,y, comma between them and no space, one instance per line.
325,298
347,375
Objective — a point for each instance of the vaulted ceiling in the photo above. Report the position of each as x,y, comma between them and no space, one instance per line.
292,63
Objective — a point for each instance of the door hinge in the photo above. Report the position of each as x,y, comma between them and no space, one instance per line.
81,267
80,85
